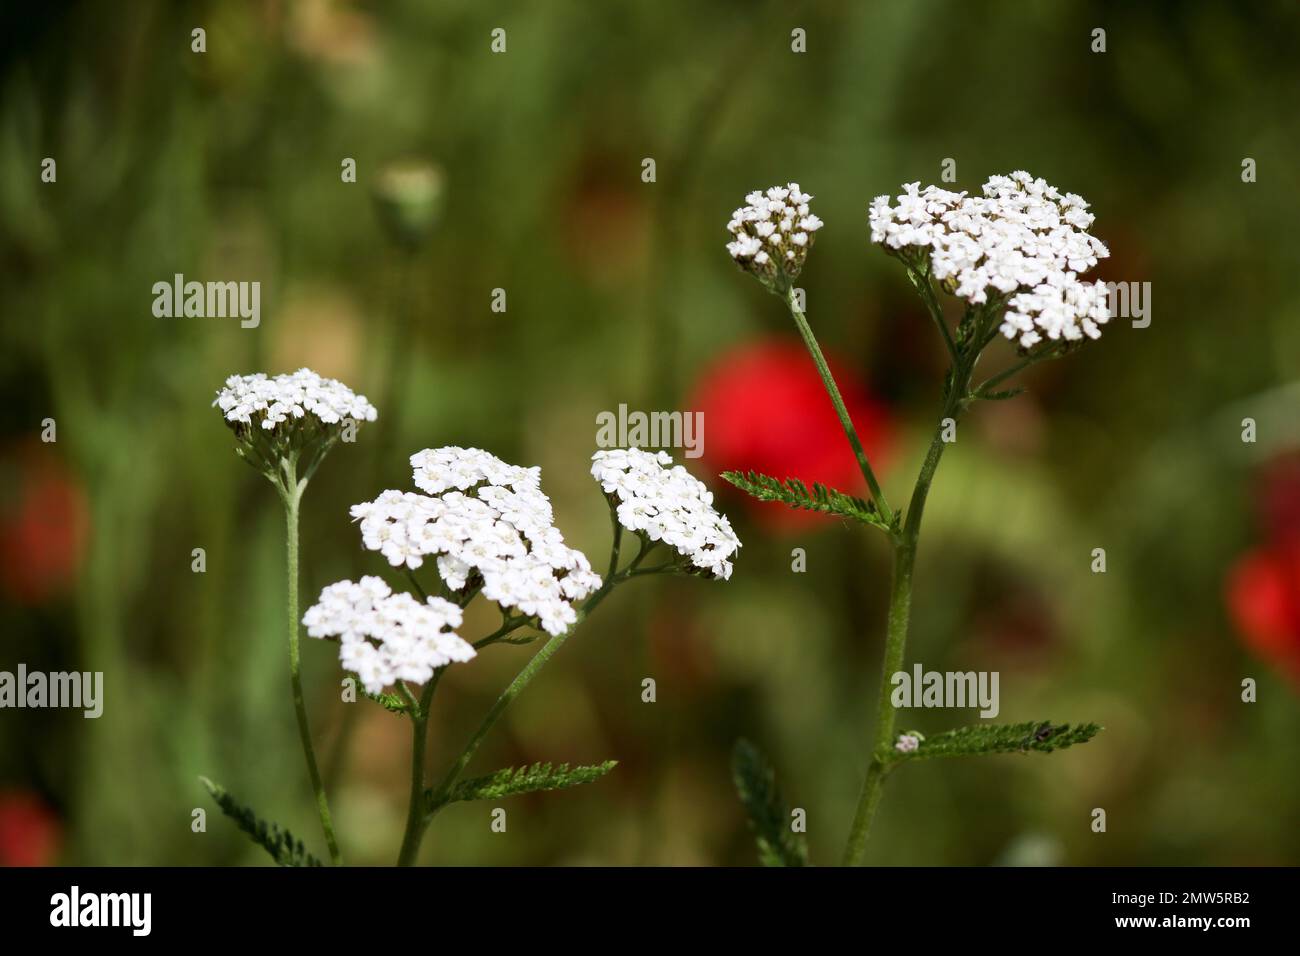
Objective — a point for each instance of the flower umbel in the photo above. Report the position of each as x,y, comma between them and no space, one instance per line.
386,637
279,418
669,505
1022,240
250,400
773,233
490,526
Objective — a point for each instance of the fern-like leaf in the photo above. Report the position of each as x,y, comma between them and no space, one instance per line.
769,817
796,494
515,780
1041,736
393,703
284,847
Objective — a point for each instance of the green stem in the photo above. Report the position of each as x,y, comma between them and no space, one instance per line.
615,548
900,609
415,811
1020,366
833,391
422,811
667,566
643,548
291,493
424,806
522,680
507,626
415,583
922,285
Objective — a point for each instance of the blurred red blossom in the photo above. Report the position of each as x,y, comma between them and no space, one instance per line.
1263,586
42,526
1264,601
30,833
765,409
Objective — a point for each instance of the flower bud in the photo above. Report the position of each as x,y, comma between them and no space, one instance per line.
408,197
772,235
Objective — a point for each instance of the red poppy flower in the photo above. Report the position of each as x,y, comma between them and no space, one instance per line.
1264,602
42,527
765,409
30,833
1263,587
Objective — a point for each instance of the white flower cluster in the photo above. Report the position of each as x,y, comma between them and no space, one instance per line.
1021,236
486,519
667,504
270,401
773,232
386,637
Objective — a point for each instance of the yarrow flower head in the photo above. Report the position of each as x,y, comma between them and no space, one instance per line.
289,415
489,526
667,504
1022,241
773,233
386,637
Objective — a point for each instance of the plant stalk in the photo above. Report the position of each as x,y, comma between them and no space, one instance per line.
833,391
900,609
291,492
415,812
422,811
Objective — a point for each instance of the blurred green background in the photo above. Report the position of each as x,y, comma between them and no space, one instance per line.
226,165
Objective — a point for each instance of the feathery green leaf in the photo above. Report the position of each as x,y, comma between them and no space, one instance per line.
540,776
393,703
284,847
1042,736
769,818
796,494
1001,396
